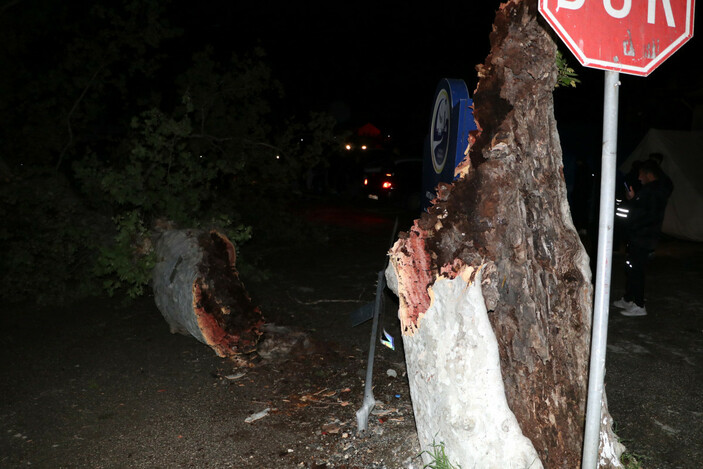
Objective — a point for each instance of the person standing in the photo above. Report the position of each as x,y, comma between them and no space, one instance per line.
644,222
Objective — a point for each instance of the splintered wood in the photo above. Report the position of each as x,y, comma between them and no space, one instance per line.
198,291
508,215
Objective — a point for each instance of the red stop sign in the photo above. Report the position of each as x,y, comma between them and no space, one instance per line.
629,36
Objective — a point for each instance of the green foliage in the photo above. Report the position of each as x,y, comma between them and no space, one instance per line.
200,166
440,460
79,80
160,179
237,233
629,461
160,176
88,67
127,263
47,239
566,75
137,135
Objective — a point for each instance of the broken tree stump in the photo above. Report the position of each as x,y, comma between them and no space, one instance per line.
199,293
494,283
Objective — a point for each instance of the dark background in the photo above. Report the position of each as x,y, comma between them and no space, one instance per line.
364,62
380,62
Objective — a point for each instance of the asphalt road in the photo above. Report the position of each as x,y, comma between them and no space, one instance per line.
103,384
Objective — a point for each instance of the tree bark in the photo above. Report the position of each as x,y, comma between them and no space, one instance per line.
199,293
499,244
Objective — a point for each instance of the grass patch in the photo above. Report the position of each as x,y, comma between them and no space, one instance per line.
630,461
440,460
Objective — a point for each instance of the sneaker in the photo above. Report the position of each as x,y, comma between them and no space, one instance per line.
622,303
634,310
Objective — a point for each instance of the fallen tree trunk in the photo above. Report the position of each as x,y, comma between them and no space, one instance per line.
199,293
494,283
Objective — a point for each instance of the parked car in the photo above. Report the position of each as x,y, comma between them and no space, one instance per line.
393,180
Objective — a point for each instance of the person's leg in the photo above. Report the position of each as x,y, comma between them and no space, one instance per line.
635,271
630,280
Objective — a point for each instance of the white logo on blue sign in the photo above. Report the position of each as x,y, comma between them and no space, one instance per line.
439,132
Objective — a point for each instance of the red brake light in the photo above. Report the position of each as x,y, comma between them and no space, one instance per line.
387,185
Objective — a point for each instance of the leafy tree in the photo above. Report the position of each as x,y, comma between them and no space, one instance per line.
45,244
96,128
67,74
566,75
217,159
71,70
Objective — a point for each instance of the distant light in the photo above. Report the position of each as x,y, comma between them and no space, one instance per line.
347,146
363,147
301,139
201,156
278,157
366,181
389,174
387,185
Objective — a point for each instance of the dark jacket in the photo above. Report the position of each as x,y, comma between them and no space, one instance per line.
647,213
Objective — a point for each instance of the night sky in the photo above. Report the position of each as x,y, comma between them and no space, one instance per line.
375,62
380,63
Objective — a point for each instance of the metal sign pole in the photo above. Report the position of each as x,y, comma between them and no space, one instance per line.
604,263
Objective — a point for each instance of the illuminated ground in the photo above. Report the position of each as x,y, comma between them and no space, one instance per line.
106,385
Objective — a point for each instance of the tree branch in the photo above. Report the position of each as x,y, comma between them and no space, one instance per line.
8,5
70,114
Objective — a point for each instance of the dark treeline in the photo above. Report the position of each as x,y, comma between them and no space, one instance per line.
118,119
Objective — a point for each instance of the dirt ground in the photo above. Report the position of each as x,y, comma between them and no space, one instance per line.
104,384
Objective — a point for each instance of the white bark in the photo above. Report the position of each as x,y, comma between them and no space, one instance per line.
456,383
178,255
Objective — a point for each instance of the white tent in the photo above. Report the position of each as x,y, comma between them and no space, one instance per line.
683,163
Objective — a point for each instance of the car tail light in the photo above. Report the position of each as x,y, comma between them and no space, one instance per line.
366,181
387,185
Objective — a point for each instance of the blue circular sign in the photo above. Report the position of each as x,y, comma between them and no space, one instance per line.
439,131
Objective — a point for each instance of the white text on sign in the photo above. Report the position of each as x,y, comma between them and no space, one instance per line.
625,9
